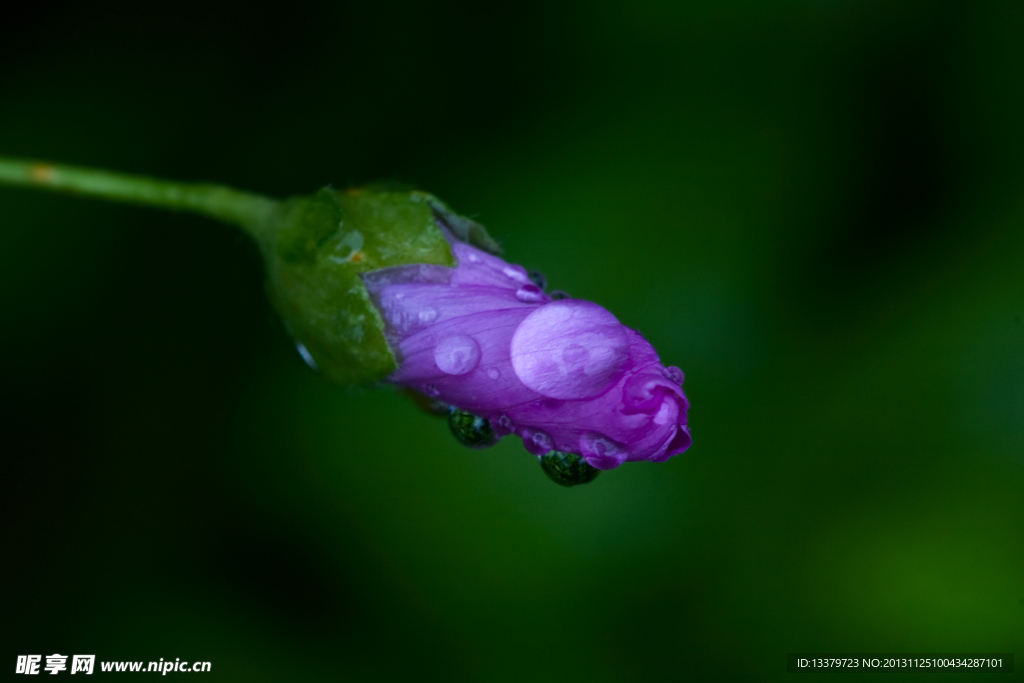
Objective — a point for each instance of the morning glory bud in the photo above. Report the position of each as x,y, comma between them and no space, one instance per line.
379,284
563,374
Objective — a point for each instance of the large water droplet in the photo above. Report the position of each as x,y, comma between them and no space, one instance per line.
567,469
536,441
569,349
471,430
457,355
530,294
602,452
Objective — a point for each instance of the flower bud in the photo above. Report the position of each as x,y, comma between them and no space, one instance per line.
565,375
377,284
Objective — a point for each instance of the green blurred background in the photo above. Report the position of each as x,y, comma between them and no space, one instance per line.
815,208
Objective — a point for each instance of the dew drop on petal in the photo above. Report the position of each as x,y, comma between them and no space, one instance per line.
517,274
471,430
530,294
569,349
457,354
494,373
537,278
568,469
559,294
602,452
536,441
674,374
502,426
427,315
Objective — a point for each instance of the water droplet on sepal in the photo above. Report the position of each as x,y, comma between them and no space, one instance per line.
567,469
307,357
471,430
537,278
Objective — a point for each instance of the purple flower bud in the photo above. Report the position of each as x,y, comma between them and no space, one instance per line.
562,374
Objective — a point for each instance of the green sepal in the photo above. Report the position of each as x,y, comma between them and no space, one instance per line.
311,222
465,229
316,249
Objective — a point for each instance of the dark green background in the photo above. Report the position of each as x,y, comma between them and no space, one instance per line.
815,208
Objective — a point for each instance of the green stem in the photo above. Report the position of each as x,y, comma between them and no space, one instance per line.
250,211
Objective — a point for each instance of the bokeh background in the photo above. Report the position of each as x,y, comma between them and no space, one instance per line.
814,207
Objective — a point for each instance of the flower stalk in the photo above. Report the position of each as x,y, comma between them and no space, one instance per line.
252,212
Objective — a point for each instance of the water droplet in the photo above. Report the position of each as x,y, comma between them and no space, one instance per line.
307,356
517,274
536,441
427,315
493,373
674,374
431,391
350,247
502,426
537,278
457,355
569,349
471,430
558,295
602,452
568,469
530,294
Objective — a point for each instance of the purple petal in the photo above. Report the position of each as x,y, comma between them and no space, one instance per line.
563,375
